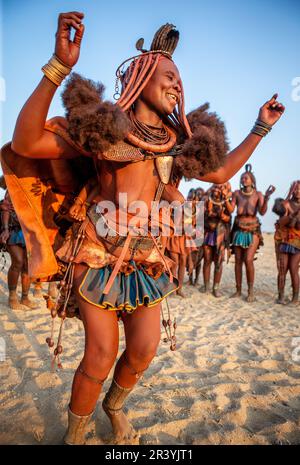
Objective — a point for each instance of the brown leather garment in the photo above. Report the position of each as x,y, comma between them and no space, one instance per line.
42,192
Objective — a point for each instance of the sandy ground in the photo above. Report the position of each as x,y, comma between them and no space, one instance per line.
231,381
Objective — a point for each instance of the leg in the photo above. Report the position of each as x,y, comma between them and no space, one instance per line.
208,256
198,264
238,270
181,272
218,261
190,267
52,289
16,256
26,283
37,290
142,333
249,262
101,348
283,265
174,268
294,262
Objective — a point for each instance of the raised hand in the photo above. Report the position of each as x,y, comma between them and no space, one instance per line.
226,191
270,191
65,49
271,111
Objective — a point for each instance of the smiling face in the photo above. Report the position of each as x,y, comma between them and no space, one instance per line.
163,91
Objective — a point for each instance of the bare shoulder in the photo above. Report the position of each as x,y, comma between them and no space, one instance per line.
54,143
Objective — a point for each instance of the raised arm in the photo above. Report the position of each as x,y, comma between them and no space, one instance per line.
264,199
269,113
30,139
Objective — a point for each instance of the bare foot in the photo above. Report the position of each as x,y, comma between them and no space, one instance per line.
123,431
28,303
250,298
14,304
204,289
180,293
280,300
294,301
236,294
216,292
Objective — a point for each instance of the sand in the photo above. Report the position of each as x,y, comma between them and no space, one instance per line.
234,379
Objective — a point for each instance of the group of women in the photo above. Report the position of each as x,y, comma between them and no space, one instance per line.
242,237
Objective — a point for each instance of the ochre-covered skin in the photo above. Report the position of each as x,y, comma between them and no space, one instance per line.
248,202
38,195
287,241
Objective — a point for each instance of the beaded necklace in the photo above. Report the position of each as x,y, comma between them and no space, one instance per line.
149,138
247,193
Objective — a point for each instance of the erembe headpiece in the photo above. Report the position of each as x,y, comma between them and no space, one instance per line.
136,76
248,171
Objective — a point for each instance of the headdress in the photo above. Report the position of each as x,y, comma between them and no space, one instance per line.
136,76
248,170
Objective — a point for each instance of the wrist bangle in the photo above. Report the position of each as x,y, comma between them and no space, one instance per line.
261,128
55,70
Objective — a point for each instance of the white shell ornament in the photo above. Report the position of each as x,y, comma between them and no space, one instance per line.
164,167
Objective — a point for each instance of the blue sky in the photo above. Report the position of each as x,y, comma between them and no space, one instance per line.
233,54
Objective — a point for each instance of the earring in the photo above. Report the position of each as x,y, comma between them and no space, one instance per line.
117,93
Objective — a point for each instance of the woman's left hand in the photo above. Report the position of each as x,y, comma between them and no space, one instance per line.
271,189
271,111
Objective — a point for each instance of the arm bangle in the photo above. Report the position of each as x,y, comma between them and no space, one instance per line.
55,70
261,128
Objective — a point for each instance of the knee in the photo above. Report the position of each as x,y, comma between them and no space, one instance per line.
142,354
249,261
17,265
99,356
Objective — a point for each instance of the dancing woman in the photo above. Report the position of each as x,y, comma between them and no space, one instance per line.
122,144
